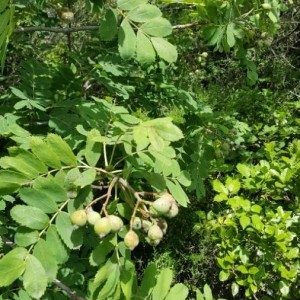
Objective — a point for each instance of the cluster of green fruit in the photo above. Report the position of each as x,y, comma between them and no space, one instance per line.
155,227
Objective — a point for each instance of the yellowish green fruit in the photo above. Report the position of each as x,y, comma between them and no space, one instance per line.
162,224
137,223
173,212
152,242
131,239
67,16
103,227
146,225
93,217
116,223
163,204
79,217
155,233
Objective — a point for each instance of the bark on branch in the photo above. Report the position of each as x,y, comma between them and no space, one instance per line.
84,28
56,29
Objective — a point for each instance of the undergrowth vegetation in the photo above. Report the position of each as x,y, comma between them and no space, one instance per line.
149,149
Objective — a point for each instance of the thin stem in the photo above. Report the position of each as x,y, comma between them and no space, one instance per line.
95,201
105,154
108,195
71,293
56,29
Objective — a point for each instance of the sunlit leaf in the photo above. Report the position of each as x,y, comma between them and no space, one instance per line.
35,278
126,40
29,216
12,266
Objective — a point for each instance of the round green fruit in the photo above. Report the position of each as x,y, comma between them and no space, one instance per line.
163,204
131,239
79,217
155,233
67,16
137,223
146,225
152,242
173,212
162,224
116,223
93,217
103,227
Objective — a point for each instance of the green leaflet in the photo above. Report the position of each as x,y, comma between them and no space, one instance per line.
86,178
35,279
144,13
164,49
99,254
178,193
25,236
48,261
3,5
61,149
145,53
245,221
12,266
179,292
44,152
130,4
40,199
93,148
155,140
71,237
29,216
56,245
207,292
52,187
111,283
158,27
140,137
230,35
24,162
163,283
108,26
10,181
148,281
126,40
127,278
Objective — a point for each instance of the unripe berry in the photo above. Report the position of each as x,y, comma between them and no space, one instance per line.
162,224
93,217
131,239
173,212
155,233
146,225
79,217
152,242
163,204
116,223
266,6
103,227
67,16
137,223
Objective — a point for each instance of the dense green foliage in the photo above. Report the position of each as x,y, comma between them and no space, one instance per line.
149,149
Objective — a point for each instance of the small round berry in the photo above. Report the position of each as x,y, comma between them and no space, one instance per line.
102,227
131,239
79,217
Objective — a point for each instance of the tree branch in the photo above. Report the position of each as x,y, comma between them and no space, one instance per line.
56,29
86,28
71,293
